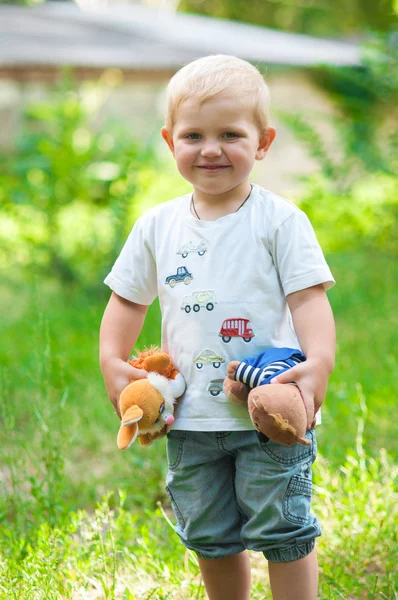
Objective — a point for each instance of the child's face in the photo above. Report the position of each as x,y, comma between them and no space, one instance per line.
215,144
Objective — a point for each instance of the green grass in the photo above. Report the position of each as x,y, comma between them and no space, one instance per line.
364,304
116,553
82,520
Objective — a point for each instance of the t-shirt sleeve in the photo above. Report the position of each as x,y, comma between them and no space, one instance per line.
133,276
298,256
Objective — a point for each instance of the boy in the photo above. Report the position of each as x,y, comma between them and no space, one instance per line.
237,269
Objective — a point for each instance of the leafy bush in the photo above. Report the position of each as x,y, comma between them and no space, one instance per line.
354,197
66,188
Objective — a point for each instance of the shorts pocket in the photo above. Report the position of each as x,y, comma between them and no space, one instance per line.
289,455
174,447
297,500
175,508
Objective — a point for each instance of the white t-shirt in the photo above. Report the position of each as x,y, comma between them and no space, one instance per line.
222,286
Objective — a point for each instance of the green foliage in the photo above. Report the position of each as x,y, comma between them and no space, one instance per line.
69,184
357,506
321,18
22,2
114,553
353,199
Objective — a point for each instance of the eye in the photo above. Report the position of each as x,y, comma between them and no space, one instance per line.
193,136
231,134
161,410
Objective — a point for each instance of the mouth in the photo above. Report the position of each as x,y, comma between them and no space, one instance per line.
213,168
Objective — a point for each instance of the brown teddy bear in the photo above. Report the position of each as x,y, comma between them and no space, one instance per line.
147,405
276,410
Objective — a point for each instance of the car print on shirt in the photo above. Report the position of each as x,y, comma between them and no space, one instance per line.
216,386
208,357
200,248
206,299
236,328
182,275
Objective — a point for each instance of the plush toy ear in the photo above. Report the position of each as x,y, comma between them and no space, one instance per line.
128,431
126,436
157,362
132,415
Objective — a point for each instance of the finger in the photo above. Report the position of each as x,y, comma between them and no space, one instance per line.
135,373
309,408
117,409
318,401
286,377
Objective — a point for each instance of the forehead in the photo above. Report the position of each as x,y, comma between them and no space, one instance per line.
223,111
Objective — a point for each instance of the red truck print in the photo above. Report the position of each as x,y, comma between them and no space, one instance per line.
236,328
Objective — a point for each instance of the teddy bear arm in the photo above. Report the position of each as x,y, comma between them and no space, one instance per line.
235,391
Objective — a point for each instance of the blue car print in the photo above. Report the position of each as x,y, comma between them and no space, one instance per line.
182,275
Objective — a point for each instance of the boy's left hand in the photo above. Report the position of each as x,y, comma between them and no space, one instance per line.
311,377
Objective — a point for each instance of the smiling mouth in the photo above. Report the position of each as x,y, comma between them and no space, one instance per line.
213,167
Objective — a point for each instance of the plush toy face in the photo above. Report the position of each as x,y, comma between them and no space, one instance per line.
140,393
154,407
146,406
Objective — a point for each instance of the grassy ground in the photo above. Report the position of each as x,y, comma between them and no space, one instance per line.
82,520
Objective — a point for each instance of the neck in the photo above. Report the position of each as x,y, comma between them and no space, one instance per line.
210,207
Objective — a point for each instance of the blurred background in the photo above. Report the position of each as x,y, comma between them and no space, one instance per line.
82,101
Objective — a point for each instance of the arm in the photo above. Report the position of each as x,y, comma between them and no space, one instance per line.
120,328
314,325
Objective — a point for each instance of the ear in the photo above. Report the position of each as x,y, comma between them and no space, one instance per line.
132,415
168,138
158,362
265,142
126,436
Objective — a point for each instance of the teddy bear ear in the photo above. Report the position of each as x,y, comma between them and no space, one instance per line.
132,415
126,436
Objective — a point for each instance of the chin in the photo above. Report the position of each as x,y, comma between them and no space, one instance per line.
213,189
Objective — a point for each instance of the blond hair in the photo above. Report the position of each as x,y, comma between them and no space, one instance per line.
219,75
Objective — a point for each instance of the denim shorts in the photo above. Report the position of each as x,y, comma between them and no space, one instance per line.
232,490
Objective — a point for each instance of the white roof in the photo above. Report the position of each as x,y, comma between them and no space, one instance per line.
140,38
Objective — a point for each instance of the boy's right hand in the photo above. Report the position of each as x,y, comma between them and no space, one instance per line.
117,375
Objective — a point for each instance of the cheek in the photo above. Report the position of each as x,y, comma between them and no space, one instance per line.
147,421
184,158
242,154
184,162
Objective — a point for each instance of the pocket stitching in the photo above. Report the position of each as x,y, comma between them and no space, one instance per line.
304,488
177,461
310,452
177,511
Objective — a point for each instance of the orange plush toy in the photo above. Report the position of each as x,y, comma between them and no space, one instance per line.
147,405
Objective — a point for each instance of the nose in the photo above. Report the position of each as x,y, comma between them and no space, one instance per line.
211,148
170,420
